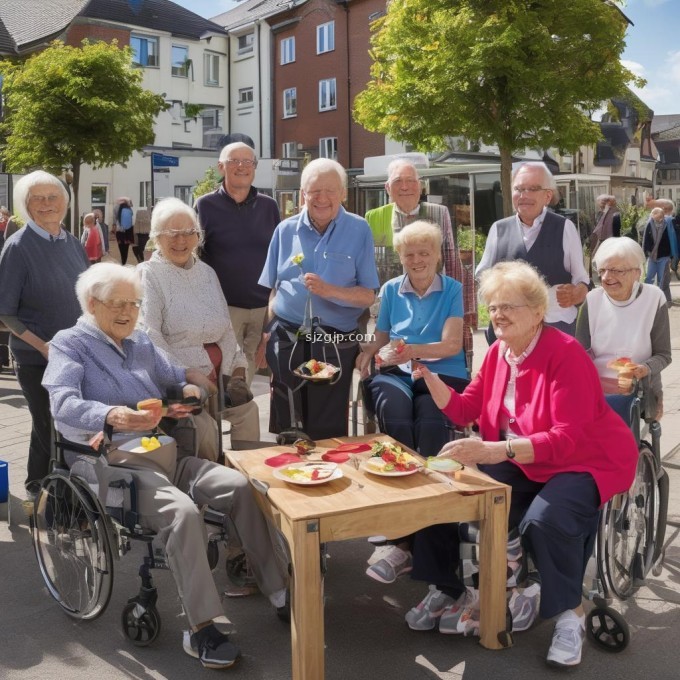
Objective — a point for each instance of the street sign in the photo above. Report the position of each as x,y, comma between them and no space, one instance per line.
162,161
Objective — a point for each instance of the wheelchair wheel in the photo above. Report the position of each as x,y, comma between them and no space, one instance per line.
630,521
141,626
607,629
661,510
72,547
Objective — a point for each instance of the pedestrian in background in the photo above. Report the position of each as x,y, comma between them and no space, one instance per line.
39,266
4,219
124,232
142,228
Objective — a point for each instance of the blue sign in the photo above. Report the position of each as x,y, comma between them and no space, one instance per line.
162,161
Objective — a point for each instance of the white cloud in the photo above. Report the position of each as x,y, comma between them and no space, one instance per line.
637,68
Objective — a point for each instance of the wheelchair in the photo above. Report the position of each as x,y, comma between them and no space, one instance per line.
77,541
631,533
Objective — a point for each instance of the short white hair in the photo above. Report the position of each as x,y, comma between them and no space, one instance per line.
322,166
167,208
620,246
234,146
23,187
100,279
548,180
400,163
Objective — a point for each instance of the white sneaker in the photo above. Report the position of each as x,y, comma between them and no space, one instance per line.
379,553
395,563
424,616
524,606
567,640
462,616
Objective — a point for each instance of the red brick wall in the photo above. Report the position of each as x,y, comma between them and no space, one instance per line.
78,32
308,69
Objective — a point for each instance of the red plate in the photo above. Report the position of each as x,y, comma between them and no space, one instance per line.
282,459
335,456
353,448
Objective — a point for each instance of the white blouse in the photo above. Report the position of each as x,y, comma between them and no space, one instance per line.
183,309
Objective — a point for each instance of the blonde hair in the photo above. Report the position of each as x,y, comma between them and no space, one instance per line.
420,231
515,277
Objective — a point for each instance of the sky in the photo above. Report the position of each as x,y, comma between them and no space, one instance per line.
652,46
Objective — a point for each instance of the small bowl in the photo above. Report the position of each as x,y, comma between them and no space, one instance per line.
443,464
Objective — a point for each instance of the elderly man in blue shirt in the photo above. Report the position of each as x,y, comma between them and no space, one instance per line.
321,270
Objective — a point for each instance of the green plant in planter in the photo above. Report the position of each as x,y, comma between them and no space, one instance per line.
465,242
192,110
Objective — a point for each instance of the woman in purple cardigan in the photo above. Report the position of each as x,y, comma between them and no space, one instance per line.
546,431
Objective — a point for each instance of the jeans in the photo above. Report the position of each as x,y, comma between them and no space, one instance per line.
656,269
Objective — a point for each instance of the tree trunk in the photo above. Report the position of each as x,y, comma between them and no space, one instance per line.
75,207
506,180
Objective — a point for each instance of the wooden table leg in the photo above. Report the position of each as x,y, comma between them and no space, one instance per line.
492,571
306,624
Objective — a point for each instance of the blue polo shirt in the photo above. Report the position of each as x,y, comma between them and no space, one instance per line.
342,256
403,314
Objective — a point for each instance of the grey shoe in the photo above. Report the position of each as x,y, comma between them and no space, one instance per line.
523,607
211,647
425,615
462,616
567,641
394,563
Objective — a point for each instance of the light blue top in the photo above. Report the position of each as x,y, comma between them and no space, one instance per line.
403,314
342,256
88,374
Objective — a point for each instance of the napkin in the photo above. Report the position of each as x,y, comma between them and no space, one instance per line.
282,459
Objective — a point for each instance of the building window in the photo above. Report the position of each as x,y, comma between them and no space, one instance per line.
144,194
327,100
325,37
245,95
290,102
180,61
287,50
328,148
245,43
211,68
184,194
290,150
212,121
144,50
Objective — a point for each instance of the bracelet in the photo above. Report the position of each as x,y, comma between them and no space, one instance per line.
508,449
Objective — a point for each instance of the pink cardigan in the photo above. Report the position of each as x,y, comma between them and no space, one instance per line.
560,407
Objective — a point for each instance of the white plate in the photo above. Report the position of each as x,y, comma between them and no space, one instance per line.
279,474
443,464
392,473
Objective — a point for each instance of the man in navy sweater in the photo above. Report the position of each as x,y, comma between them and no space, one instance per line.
238,222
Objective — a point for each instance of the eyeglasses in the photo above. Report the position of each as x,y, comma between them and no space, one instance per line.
528,190
404,180
503,309
118,304
614,272
177,233
243,162
52,198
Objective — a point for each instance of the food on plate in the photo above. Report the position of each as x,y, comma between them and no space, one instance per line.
309,472
147,444
442,464
388,457
317,370
304,446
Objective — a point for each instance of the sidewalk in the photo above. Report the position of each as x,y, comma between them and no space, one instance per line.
366,636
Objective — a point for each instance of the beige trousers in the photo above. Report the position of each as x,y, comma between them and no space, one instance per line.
248,325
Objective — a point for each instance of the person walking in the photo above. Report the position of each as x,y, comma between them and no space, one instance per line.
124,232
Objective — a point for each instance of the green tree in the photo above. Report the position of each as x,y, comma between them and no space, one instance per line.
515,73
211,180
68,106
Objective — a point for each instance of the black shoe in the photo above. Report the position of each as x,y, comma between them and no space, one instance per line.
212,648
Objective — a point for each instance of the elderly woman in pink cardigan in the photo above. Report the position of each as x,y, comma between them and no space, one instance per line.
547,431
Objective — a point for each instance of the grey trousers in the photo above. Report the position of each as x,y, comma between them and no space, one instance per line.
169,510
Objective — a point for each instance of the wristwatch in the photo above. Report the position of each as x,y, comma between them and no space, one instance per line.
508,449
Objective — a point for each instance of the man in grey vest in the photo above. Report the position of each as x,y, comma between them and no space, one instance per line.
545,240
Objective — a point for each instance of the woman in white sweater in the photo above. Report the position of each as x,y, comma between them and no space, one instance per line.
185,313
626,318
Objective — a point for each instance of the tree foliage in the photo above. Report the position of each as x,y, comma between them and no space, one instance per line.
73,105
210,181
515,73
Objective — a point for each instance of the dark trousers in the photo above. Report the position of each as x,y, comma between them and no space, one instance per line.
30,379
138,249
558,524
622,404
323,410
406,411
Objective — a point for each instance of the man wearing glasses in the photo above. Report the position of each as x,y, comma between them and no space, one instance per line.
403,186
545,240
239,222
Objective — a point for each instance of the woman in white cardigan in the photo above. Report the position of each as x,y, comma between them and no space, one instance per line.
185,313
626,318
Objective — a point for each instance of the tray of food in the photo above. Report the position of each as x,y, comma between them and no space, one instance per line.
316,371
390,460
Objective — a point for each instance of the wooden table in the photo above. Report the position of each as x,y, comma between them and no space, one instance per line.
359,505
